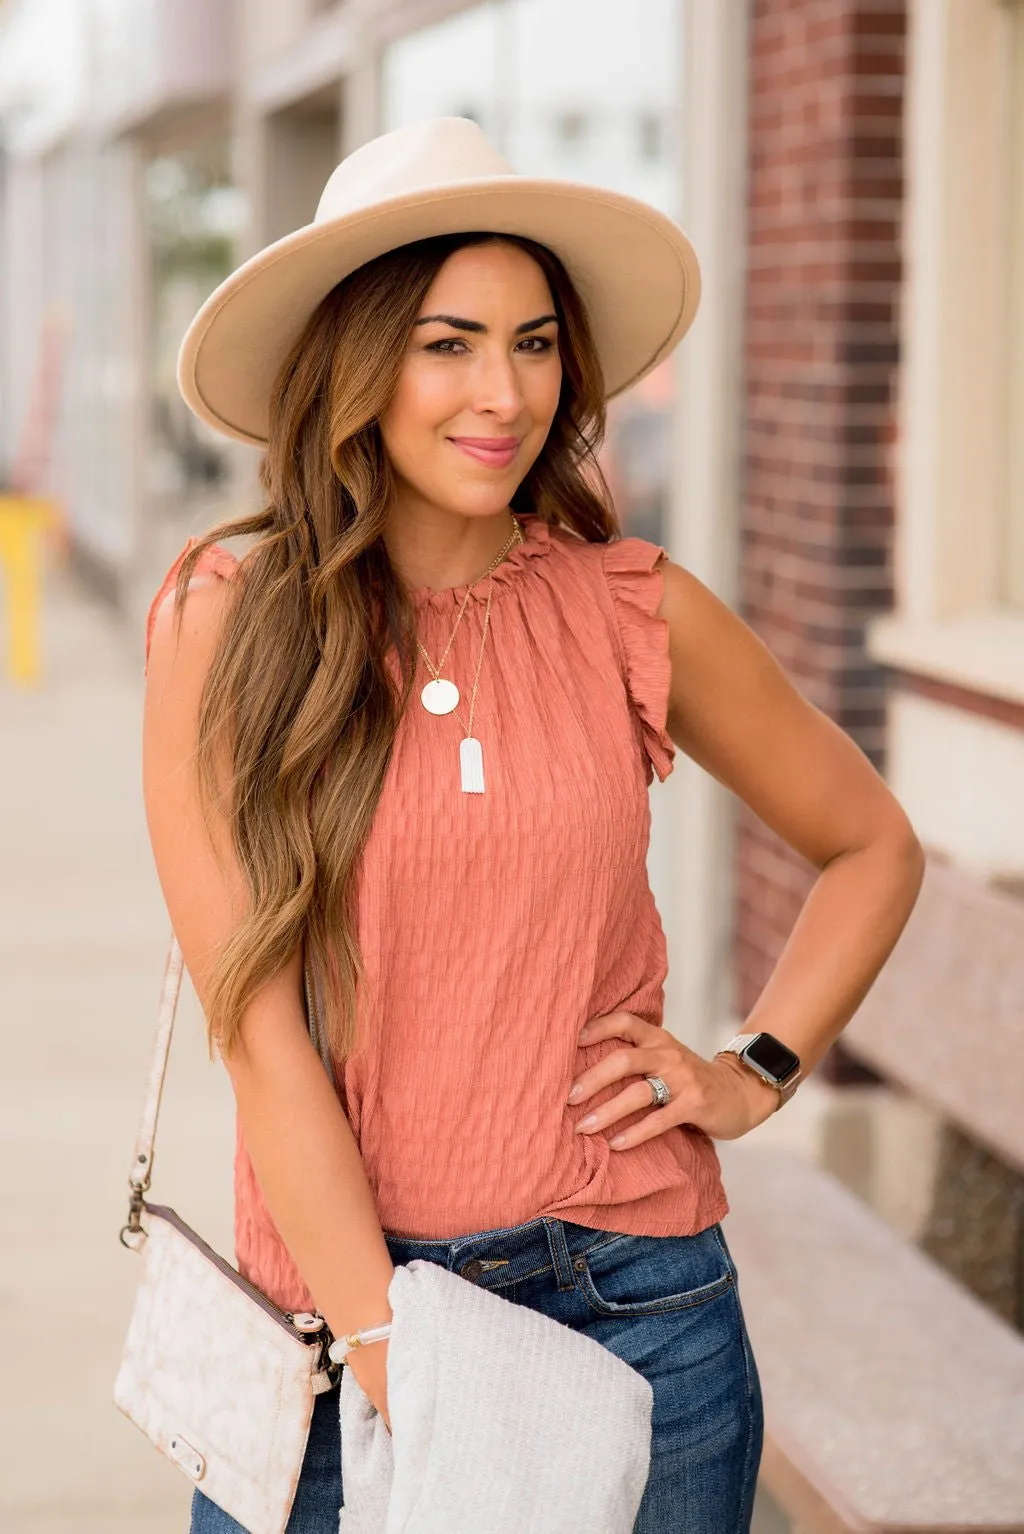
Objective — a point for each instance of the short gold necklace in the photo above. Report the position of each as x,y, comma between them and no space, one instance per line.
441,696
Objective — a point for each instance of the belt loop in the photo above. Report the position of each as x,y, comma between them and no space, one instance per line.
560,1256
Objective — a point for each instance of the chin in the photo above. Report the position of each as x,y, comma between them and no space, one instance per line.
472,501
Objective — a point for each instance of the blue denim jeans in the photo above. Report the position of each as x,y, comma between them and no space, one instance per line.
667,1305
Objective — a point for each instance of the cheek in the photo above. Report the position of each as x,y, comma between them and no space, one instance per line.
423,401
543,392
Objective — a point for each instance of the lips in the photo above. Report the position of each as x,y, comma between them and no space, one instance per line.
496,452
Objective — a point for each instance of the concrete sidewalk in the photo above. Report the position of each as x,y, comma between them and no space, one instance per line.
82,938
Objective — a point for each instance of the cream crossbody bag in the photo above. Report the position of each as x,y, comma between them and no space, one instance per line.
217,1377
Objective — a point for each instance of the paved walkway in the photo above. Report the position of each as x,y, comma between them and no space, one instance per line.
82,938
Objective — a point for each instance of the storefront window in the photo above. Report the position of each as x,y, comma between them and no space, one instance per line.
193,216
588,90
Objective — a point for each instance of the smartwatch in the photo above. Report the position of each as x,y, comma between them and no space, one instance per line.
773,1061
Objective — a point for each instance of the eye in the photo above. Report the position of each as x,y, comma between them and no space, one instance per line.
443,345
543,343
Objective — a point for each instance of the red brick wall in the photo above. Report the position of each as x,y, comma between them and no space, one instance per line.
821,353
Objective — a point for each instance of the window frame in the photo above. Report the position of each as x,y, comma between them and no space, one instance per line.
953,457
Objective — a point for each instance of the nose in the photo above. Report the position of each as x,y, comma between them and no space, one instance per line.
497,387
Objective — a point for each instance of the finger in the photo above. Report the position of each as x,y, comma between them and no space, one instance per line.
630,1060
654,1123
631,1099
625,1025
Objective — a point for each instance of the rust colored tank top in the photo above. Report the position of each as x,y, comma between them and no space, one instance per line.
493,925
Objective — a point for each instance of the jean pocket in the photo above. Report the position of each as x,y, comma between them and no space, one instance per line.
645,1275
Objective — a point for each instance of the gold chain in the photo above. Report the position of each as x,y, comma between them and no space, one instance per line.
516,536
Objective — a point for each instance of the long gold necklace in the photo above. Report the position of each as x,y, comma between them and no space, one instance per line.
441,696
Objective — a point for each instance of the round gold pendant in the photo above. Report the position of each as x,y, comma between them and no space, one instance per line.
440,697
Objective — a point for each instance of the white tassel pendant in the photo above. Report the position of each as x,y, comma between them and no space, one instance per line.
471,761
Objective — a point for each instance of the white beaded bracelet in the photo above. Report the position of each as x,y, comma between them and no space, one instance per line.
340,1349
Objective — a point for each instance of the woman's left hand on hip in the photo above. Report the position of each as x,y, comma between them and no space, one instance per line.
723,1097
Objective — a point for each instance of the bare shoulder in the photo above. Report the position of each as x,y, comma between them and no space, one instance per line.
704,631
676,579
178,663
684,598
186,649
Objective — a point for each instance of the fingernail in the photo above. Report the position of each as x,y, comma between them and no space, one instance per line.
574,1091
583,1033
588,1122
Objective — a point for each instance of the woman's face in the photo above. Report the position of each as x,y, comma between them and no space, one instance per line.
479,384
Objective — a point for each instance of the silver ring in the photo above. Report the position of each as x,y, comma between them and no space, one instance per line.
659,1090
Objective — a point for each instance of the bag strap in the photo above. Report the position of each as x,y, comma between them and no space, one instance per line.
141,1169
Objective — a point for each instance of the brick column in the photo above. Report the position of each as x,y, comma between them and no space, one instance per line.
821,353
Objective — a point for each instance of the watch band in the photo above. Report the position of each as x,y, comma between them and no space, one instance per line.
738,1043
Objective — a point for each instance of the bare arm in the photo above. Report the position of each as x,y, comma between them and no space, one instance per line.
300,1142
733,710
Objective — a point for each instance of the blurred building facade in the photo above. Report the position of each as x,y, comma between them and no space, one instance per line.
98,99
836,449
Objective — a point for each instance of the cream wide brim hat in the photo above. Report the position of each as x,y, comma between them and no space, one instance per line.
634,269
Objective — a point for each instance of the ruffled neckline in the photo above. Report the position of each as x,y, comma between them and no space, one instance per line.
447,599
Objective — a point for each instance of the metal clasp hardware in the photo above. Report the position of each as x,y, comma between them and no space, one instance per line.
134,1226
306,1321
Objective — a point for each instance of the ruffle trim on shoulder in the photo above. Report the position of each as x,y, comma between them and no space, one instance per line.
632,568
215,559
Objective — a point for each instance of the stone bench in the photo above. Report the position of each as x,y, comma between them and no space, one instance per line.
945,1018
894,1399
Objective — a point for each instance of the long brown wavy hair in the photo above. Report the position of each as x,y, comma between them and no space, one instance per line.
299,711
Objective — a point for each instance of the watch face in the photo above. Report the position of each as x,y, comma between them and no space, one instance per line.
772,1055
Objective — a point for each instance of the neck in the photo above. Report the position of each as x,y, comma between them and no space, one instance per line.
438,553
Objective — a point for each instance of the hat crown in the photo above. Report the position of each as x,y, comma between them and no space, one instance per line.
440,151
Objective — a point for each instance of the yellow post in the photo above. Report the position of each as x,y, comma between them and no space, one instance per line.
22,520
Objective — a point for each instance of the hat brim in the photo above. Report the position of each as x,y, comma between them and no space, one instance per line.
634,269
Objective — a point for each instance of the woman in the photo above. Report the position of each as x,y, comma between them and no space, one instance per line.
410,736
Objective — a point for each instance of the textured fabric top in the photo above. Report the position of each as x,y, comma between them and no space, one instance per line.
493,925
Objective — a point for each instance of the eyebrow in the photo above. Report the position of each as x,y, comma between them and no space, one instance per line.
460,324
